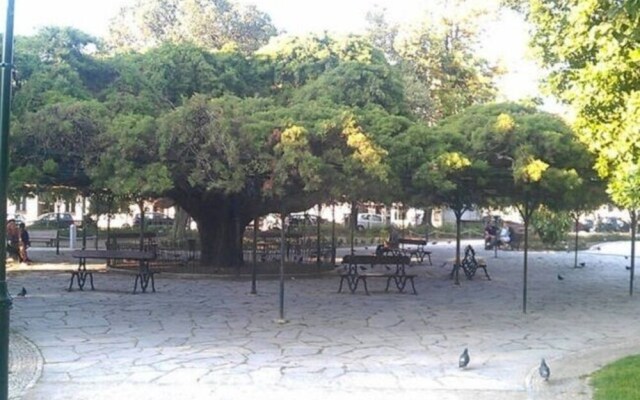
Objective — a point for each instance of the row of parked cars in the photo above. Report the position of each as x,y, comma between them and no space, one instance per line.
64,219
607,224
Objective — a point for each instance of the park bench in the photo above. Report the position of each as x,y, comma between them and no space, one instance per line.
469,265
416,251
129,240
144,275
47,238
359,268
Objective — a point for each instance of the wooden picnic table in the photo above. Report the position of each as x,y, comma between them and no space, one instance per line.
357,268
144,275
417,250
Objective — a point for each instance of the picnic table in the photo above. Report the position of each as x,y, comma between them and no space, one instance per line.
358,268
144,275
416,250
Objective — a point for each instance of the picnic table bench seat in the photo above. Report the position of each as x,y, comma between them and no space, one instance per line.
358,268
143,276
418,251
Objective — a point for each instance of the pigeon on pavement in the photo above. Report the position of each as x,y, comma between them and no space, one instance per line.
463,361
544,370
23,292
560,277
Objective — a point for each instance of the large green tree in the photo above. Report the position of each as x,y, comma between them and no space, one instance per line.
505,154
591,49
233,139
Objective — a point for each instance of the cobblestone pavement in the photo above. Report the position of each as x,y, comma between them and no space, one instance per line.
25,365
204,338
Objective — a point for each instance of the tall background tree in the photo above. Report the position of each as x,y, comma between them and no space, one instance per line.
210,24
438,58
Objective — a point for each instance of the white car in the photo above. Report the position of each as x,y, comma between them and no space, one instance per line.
368,221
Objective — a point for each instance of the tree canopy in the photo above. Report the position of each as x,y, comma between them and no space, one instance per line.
234,134
228,137
592,50
211,24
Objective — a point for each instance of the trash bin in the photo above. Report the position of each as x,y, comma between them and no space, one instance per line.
73,233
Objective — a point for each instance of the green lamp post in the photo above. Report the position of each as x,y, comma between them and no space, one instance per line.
5,103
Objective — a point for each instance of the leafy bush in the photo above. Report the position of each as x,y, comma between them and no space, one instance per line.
550,226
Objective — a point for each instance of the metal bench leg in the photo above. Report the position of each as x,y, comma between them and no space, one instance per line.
342,278
484,267
364,282
412,285
389,282
73,274
135,284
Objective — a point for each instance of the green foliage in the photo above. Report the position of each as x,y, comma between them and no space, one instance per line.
216,25
592,49
437,61
618,380
551,226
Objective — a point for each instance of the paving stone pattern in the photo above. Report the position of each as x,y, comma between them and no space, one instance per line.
25,365
206,338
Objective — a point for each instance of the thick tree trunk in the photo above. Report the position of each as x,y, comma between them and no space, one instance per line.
219,242
221,223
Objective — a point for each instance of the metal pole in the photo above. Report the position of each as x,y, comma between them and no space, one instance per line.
57,228
333,233
254,254
318,249
5,111
634,227
282,228
526,255
85,224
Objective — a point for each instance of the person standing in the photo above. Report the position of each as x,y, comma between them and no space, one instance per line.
25,243
13,239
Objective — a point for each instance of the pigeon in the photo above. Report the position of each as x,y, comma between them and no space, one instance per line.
463,361
582,264
434,242
626,257
23,292
627,268
560,277
544,370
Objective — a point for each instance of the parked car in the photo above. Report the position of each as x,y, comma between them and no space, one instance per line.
153,219
586,225
52,221
368,221
297,219
612,224
19,218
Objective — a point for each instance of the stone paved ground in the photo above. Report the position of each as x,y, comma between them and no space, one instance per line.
208,338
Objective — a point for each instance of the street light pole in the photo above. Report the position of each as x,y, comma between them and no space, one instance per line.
5,109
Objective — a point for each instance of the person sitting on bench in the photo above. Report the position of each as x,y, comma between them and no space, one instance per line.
505,236
389,245
490,235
